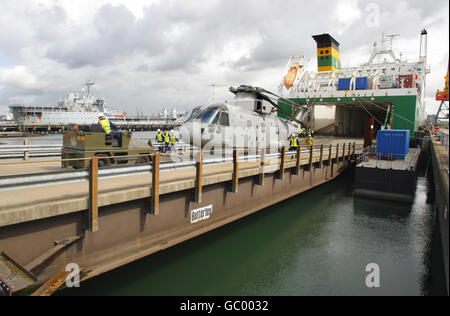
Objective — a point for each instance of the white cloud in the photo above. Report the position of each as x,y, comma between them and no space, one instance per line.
167,53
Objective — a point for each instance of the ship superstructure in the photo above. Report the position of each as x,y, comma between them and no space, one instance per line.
391,91
76,108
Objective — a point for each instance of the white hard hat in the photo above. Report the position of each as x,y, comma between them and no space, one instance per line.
101,115
159,130
309,134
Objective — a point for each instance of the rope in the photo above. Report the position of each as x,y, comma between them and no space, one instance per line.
370,113
403,118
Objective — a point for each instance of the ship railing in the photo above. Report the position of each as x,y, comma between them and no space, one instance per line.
11,182
388,160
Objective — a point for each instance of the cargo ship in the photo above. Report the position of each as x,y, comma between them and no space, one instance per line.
388,89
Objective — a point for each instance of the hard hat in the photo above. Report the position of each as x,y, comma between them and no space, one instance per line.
309,134
101,115
159,130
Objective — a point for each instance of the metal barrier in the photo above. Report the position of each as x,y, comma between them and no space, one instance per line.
69,176
93,174
386,161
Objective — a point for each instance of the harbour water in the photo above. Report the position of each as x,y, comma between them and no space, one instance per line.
317,243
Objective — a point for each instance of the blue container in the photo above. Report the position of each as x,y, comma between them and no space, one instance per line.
362,83
393,142
344,83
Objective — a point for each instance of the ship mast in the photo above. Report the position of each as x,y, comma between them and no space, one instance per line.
386,48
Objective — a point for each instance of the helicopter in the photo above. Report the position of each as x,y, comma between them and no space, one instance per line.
249,121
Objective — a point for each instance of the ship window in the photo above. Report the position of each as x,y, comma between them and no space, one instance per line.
321,52
224,120
327,52
321,57
326,57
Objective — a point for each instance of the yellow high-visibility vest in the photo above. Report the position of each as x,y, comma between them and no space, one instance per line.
166,138
174,140
160,138
105,125
309,141
294,142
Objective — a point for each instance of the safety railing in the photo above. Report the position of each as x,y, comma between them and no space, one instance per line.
66,175
387,160
93,174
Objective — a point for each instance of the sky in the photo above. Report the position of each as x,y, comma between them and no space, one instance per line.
145,55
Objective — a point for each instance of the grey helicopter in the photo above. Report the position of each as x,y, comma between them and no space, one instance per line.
248,121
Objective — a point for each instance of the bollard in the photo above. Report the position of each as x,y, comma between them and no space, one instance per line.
93,195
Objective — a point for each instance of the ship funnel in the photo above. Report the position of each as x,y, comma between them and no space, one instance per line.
328,56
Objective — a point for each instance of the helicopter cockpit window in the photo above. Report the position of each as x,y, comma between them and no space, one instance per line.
224,120
192,116
209,116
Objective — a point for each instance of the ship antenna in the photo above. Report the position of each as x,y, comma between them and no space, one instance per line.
89,84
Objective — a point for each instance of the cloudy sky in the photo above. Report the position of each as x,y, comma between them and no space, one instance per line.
151,54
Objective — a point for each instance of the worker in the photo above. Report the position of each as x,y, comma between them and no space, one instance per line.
293,142
159,139
173,141
166,138
303,132
107,126
309,140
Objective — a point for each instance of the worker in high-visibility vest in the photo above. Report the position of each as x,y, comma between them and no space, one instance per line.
166,138
107,126
309,140
293,142
173,141
159,139
303,133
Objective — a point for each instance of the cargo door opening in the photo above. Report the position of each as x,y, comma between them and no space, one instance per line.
350,119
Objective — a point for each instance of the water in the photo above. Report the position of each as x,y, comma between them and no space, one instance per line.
317,243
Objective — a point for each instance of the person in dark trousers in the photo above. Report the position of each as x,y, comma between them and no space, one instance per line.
293,141
166,138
